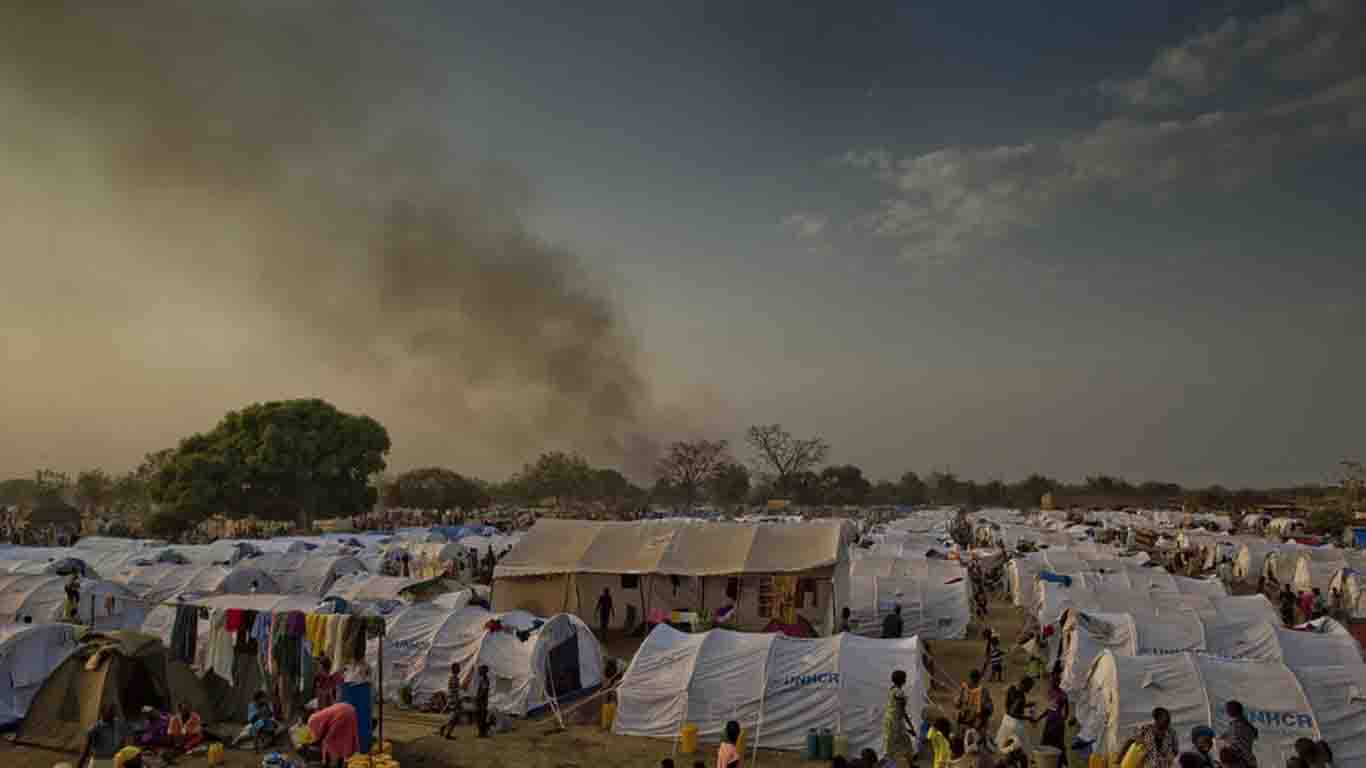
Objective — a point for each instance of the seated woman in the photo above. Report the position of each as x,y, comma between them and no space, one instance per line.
261,722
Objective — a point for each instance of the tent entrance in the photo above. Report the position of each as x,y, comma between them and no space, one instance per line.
563,663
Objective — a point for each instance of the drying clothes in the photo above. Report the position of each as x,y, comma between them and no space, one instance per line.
233,622
244,629
219,654
334,638
185,633
353,634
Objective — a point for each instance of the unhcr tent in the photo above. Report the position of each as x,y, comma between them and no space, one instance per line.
35,599
1316,567
934,595
531,661
1284,704
305,574
367,593
1054,599
1250,562
28,654
655,567
1125,634
777,687
159,583
125,671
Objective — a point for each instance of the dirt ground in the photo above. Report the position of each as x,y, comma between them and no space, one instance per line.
537,744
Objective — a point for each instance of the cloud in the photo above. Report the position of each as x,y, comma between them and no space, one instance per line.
804,225
1304,42
953,200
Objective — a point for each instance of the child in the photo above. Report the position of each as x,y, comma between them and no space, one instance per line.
996,658
1034,667
452,701
260,720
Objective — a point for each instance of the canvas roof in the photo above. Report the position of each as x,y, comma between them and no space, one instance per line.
674,547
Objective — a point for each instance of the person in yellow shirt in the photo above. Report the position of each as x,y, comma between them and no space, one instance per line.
938,737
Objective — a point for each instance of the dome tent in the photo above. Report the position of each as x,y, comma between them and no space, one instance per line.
161,582
306,574
776,687
1351,584
28,654
556,658
368,593
1284,704
934,595
39,599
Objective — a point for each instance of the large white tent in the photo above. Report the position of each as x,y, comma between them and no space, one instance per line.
300,573
371,594
1284,704
1315,568
1143,583
1127,634
934,596
28,654
162,582
1249,563
776,687
555,659
41,599
1348,587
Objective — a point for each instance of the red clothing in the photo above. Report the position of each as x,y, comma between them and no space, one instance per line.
335,731
1307,604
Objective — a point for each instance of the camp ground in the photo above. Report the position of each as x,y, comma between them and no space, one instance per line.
1284,704
777,687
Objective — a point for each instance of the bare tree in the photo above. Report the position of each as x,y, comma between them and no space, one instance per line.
689,466
783,456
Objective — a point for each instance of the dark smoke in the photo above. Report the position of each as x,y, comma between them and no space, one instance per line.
282,160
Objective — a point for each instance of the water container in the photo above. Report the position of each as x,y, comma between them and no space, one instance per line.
813,744
359,696
215,754
827,744
841,746
609,714
687,739
1046,757
740,742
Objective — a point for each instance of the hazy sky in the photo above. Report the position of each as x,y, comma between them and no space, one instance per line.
1068,237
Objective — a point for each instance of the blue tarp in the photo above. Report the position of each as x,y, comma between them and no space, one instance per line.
1359,537
1056,578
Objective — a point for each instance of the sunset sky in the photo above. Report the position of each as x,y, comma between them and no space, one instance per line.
993,238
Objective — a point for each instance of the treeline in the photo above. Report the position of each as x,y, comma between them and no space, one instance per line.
303,459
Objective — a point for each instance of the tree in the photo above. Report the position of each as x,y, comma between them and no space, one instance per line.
1353,487
729,484
1029,492
1328,521
910,490
945,487
845,485
94,491
435,488
282,460
688,466
563,476
783,456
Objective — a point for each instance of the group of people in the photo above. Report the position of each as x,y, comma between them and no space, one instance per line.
1155,745
1309,604
113,742
455,702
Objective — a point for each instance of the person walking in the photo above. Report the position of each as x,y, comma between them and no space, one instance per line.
481,701
974,703
1055,721
892,626
897,729
1016,715
605,613
1241,735
1202,746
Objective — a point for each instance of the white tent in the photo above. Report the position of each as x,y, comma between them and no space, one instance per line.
28,654
776,687
430,559
111,543
1350,584
368,593
1280,564
1284,704
934,595
1250,561
1023,572
558,659
41,599
1054,599
1127,634
1316,567
162,582
305,574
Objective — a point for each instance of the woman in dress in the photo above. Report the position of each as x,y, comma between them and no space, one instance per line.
897,740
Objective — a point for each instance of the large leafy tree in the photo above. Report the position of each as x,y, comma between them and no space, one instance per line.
844,485
689,466
729,484
94,491
291,459
783,457
436,488
563,476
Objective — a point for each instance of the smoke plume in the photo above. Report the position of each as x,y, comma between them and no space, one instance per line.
210,203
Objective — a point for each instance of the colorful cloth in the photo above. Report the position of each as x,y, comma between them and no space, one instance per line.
1160,751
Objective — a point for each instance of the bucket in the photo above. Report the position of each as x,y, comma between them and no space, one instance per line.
687,739
608,715
828,744
358,695
215,753
841,746
813,744
1045,757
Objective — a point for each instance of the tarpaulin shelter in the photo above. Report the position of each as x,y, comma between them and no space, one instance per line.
306,574
124,670
162,582
28,654
935,596
1316,567
776,687
531,660
1283,703
1349,585
40,599
1088,634
660,566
